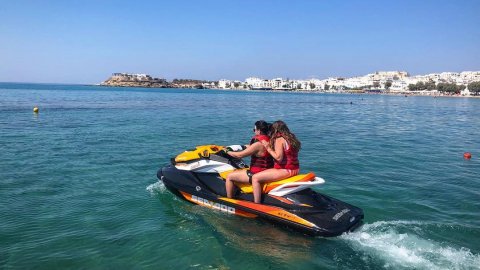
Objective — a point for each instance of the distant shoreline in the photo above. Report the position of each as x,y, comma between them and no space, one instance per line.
380,82
406,94
252,90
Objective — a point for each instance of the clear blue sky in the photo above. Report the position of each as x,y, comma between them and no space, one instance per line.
86,41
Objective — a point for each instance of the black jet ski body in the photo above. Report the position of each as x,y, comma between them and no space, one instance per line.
198,176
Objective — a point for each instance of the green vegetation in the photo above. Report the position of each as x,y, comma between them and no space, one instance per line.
474,88
430,85
450,88
359,88
388,85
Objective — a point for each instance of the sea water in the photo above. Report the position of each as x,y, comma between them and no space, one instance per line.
78,186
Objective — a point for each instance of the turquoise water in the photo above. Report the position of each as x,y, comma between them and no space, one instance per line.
78,185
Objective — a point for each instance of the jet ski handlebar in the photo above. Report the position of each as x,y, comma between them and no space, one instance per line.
235,148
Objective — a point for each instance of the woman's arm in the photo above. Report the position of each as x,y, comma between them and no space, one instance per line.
251,149
276,153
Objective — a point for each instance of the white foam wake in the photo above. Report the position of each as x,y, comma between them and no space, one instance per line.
157,187
398,245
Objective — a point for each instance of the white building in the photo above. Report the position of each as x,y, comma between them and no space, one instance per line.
258,83
399,86
470,76
465,92
254,82
399,79
224,84
318,84
357,82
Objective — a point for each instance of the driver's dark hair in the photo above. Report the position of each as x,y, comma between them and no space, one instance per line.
263,126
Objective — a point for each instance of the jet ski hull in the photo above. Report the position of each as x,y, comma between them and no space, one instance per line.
306,211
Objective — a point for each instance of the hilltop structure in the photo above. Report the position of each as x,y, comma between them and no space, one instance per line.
134,80
144,80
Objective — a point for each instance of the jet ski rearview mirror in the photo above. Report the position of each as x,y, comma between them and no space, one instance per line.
205,154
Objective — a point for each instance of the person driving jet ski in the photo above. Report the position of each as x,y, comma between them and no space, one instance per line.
260,158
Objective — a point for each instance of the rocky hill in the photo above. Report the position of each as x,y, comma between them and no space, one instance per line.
144,80
135,80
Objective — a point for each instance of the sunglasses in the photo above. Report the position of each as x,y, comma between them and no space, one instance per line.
254,129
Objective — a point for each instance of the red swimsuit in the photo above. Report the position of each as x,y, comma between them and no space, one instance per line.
258,164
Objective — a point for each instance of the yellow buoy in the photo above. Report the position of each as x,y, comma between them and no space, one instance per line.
35,109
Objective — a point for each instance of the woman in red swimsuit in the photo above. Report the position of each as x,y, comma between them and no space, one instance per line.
260,158
284,148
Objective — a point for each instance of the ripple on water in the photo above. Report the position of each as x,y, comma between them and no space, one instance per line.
400,245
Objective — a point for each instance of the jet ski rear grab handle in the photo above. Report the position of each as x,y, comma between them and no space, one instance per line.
292,187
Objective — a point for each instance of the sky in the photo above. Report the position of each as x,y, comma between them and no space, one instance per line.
86,41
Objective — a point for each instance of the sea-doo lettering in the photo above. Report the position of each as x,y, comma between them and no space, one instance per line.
214,205
340,214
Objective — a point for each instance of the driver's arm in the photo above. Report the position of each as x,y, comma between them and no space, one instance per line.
250,150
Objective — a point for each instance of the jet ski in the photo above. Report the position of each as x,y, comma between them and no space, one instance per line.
198,176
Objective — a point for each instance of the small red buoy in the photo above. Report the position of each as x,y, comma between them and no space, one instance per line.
467,155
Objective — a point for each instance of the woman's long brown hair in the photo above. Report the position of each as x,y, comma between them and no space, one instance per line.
280,129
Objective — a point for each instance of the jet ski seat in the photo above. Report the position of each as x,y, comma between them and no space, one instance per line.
300,181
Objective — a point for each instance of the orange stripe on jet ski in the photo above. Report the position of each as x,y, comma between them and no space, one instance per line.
307,177
271,210
282,199
244,214
288,201
187,196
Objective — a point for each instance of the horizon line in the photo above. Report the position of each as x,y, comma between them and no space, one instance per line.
178,78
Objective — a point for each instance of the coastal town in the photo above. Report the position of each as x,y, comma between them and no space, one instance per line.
465,83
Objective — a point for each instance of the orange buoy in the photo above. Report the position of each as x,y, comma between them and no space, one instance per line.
467,155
